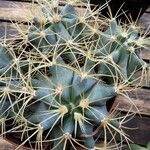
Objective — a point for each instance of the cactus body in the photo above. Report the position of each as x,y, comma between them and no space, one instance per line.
54,88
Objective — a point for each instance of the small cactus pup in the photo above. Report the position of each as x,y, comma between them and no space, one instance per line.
53,26
62,29
117,51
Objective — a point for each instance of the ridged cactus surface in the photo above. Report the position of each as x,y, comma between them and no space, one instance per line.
58,76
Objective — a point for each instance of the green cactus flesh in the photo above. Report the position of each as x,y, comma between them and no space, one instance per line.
63,103
67,101
5,60
55,26
119,52
56,82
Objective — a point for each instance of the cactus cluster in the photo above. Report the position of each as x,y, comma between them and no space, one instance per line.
57,77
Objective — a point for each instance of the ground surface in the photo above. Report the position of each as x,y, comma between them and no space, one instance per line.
4,145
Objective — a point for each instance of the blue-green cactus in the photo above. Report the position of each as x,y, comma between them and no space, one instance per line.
70,102
138,147
118,53
5,60
54,86
54,26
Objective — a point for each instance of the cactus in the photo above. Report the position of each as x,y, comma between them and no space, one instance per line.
119,48
55,84
56,27
69,102
5,60
138,147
